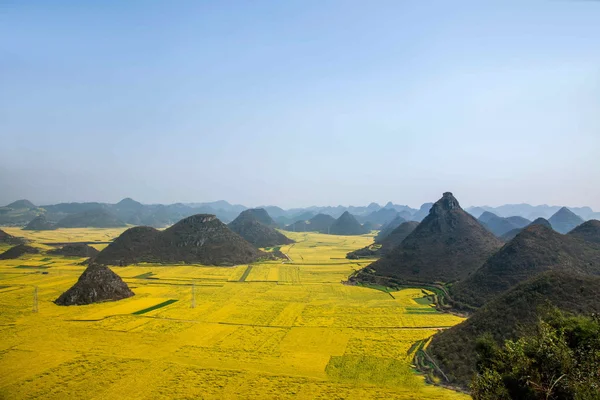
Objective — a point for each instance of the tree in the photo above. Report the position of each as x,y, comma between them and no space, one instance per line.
560,361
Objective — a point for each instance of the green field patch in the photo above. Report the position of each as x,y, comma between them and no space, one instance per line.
385,289
46,259
371,370
416,346
420,310
155,307
32,266
246,273
273,248
145,275
427,300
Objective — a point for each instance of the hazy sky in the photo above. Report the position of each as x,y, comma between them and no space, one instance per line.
297,103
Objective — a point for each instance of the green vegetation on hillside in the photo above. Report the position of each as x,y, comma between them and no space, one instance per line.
446,246
511,316
559,361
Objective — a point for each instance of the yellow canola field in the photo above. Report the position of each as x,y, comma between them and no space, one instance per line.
274,330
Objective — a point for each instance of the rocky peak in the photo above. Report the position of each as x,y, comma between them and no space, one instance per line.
97,284
447,203
198,219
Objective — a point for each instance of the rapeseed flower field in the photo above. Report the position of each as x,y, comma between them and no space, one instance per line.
272,330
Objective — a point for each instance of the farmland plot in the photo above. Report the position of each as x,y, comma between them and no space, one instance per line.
276,329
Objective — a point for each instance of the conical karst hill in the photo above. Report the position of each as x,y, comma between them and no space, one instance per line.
446,246
5,238
387,244
249,225
423,212
564,220
75,250
388,228
95,218
201,239
499,225
346,224
97,284
535,250
137,244
319,223
259,214
39,223
398,235
18,251
21,204
381,217
510,235
588,231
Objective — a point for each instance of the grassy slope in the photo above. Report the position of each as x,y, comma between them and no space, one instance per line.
510,315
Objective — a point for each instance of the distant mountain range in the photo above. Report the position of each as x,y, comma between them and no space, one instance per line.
129,211
531,212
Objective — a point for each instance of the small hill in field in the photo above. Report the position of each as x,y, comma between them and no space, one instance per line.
19,213
75,250
201,239
97,218
384,246
249,225
446,246
97,284
398,235
21,204
40,223
535,250
305,216
389,228
511,315
499,226
5,238
346,224
319,223
137,244
131,211
381,216
130,205
257,214
510,235
564,220
299,226
18,251
588,231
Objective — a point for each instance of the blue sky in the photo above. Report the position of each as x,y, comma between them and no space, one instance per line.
299,103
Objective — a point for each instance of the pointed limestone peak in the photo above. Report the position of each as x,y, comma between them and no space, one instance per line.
541,221
447,203
97,284
259,214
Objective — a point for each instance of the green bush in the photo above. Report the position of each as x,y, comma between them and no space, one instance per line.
560,361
